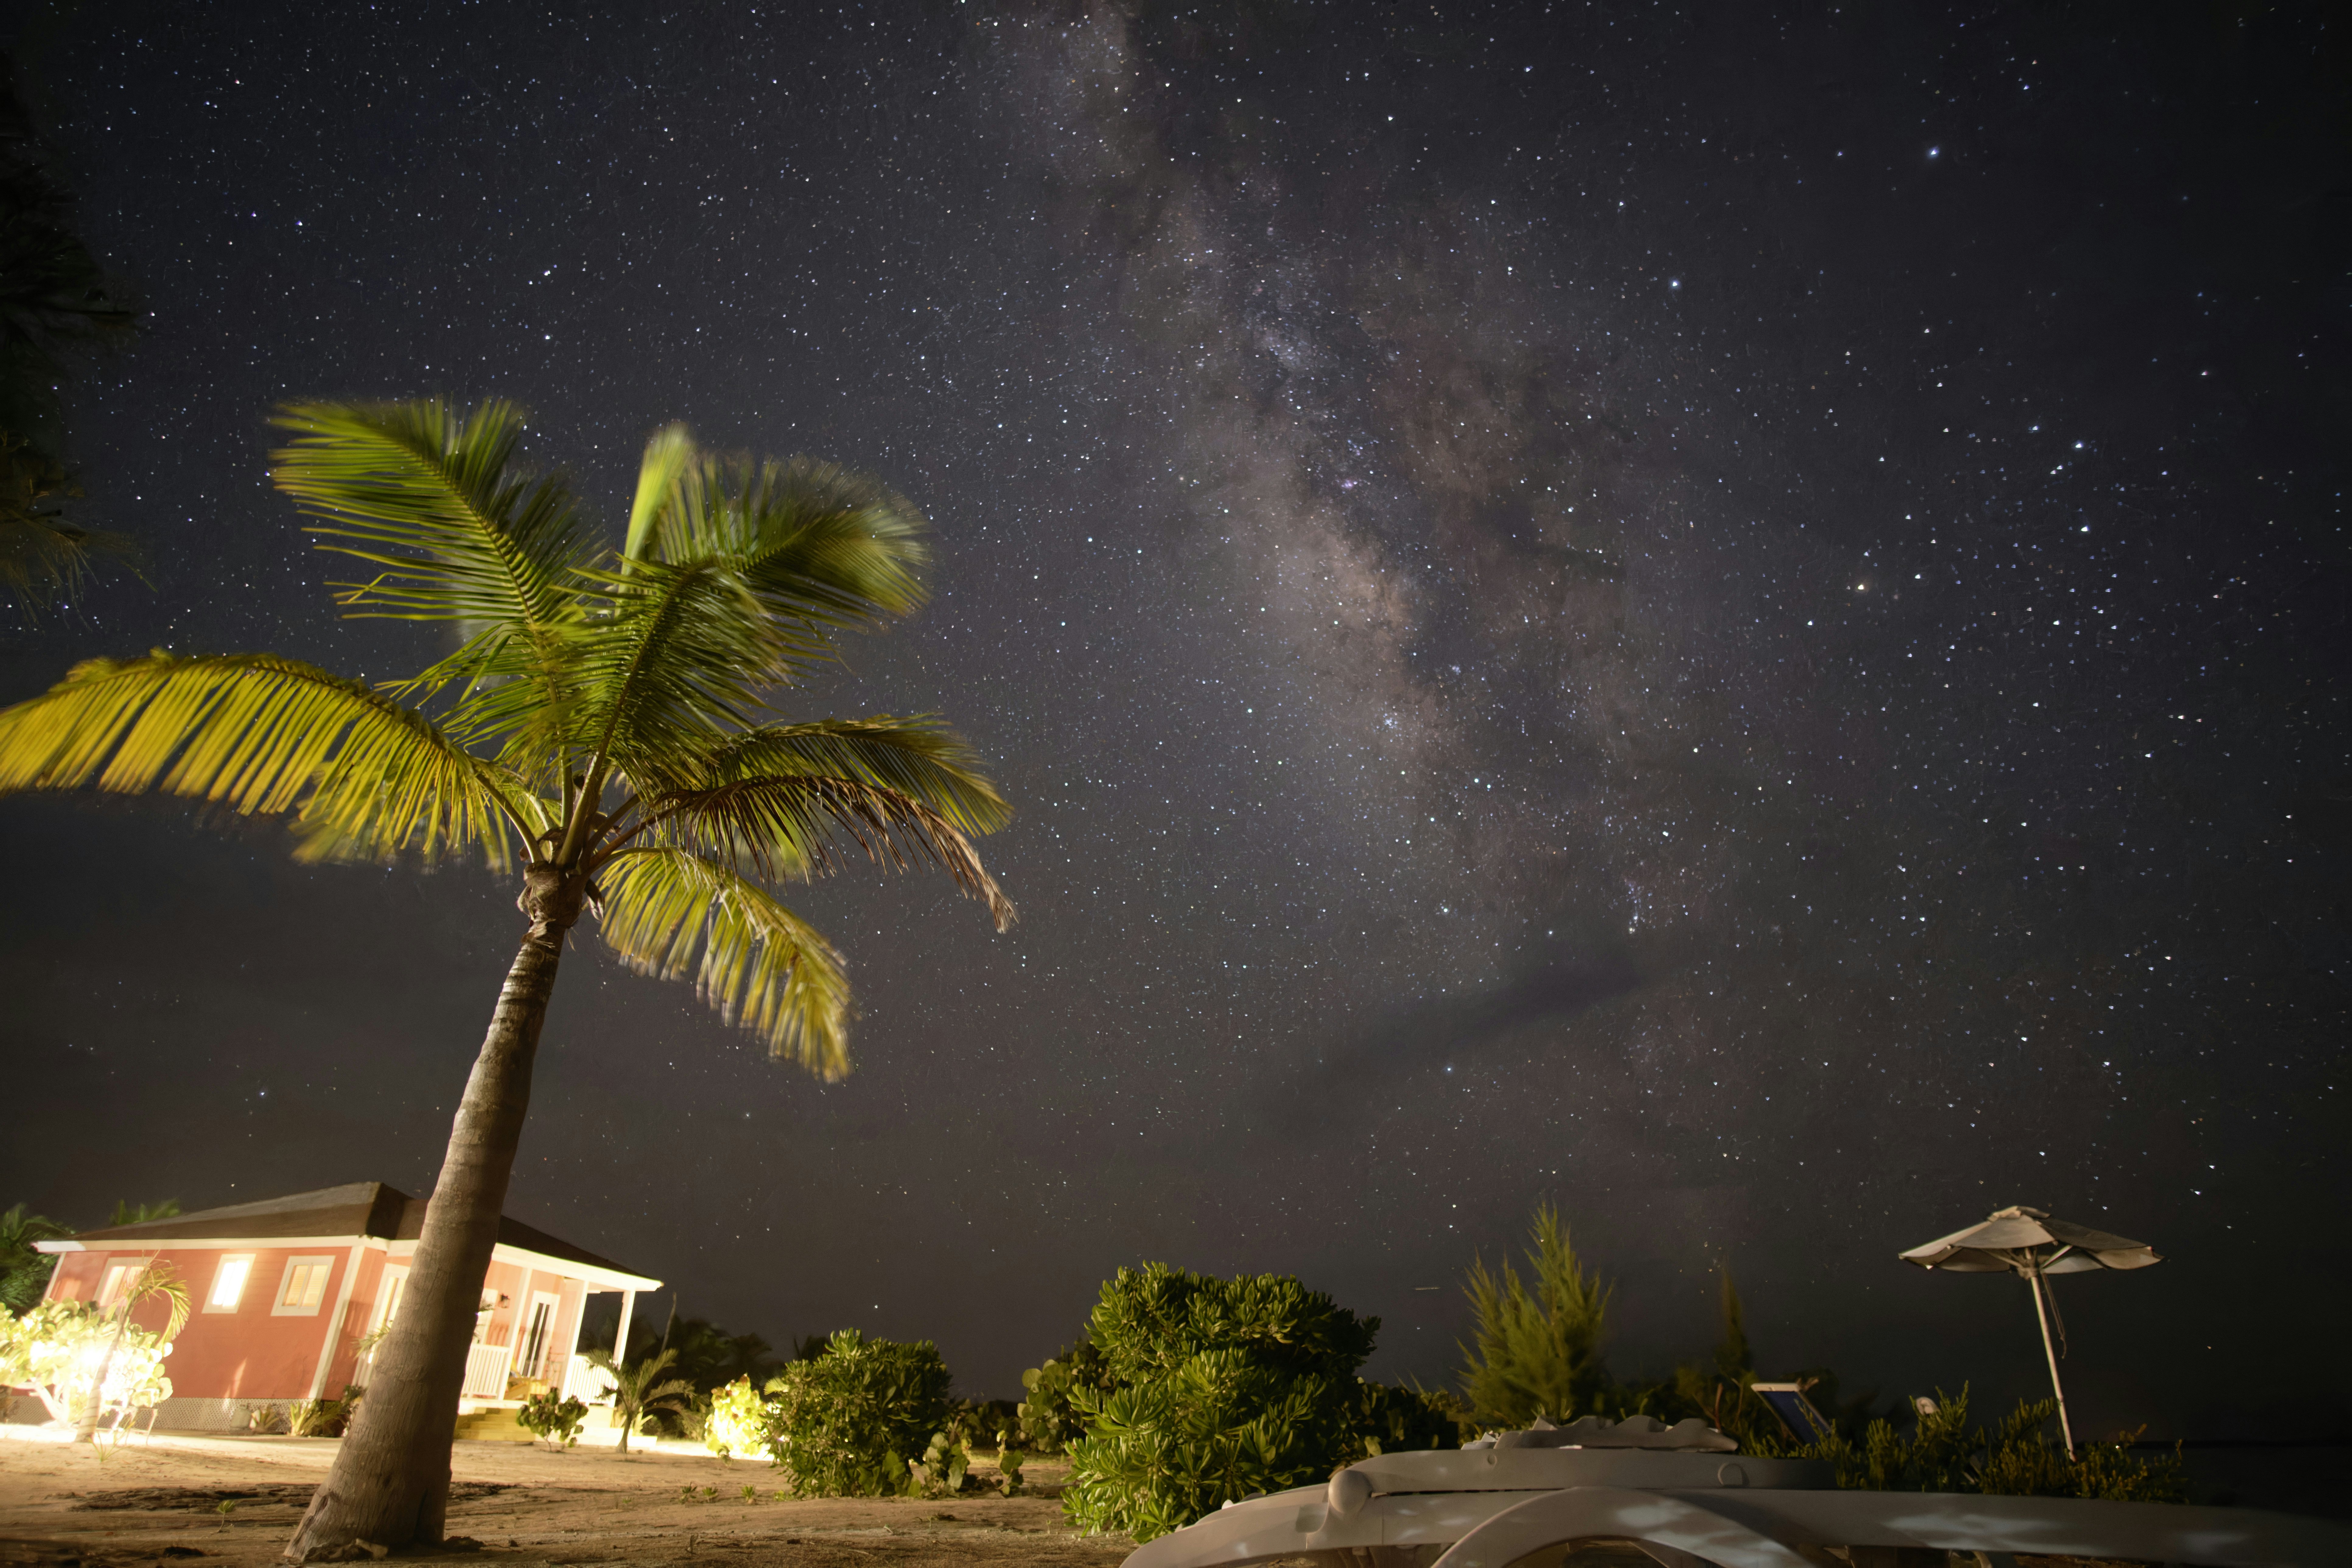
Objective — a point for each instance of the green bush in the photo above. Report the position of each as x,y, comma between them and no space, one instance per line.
848,1421
1944,1454
553,1420
1218,1390
975,1422
739,1421
1391,1420
1050,1417
942,1469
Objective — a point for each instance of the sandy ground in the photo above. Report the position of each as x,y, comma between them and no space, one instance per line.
60,1507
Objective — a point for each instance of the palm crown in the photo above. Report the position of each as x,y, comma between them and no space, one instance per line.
605,714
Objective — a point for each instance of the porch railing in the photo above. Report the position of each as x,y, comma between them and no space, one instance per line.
588,1384
486,1371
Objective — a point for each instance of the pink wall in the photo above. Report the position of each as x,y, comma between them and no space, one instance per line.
254,1353
250,1352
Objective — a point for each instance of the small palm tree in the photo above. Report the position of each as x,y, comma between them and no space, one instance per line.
152,1281
640,1391
602,726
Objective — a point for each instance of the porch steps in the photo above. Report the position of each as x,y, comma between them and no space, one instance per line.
496,1424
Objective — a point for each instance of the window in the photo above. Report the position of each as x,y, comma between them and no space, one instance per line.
396,1281
305,1286
228,1283
120,1278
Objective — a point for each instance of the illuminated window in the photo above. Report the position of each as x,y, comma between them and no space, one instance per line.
119,1277
304,1288
228,1283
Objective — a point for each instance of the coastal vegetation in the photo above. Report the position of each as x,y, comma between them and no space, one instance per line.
601,731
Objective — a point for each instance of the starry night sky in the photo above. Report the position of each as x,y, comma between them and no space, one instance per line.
1734,622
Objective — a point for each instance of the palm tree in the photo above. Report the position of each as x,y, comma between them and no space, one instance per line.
56,303
638,1391
23,1269
602,725
152,1281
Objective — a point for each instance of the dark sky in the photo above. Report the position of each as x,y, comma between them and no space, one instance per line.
1734,622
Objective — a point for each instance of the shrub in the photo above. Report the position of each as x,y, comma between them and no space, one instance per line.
848,1421
315,1418
942,1469
975,1422
1538,1350
1392,1420
1050,1417
1944,1454
557,1421
1219,1389
738,1422
54,1351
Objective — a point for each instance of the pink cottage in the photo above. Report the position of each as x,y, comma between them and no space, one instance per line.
284,1293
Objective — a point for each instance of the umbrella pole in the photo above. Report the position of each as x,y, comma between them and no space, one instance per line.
2042,1312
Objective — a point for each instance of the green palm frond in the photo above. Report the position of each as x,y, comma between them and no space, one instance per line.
675,915
430,499
680,654
816,543
918,757
791,827
668,453
364,777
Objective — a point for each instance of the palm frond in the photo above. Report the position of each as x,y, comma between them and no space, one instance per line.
916,756
673,915
44,559
668,453
792,826
680,653
364,777
429,497
816,543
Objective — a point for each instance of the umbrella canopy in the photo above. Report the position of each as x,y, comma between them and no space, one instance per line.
2030,1245
2021,1240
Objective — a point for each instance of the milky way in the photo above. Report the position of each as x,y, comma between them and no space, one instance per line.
1731,624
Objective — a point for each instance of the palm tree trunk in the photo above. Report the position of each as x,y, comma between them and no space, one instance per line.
390,1483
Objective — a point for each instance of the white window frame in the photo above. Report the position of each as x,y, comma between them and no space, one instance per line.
212,1292
128,1273
391,1286
279,1308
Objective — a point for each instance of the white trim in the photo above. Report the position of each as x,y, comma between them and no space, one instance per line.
212,1292
335,1325
278,1307
203,1243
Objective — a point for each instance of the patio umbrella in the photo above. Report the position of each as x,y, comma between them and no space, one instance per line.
2030,1243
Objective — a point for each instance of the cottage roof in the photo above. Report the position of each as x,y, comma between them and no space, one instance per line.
355,1209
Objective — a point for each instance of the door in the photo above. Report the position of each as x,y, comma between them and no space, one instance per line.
539,1334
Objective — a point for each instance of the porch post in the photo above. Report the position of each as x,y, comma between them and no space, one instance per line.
621,1340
